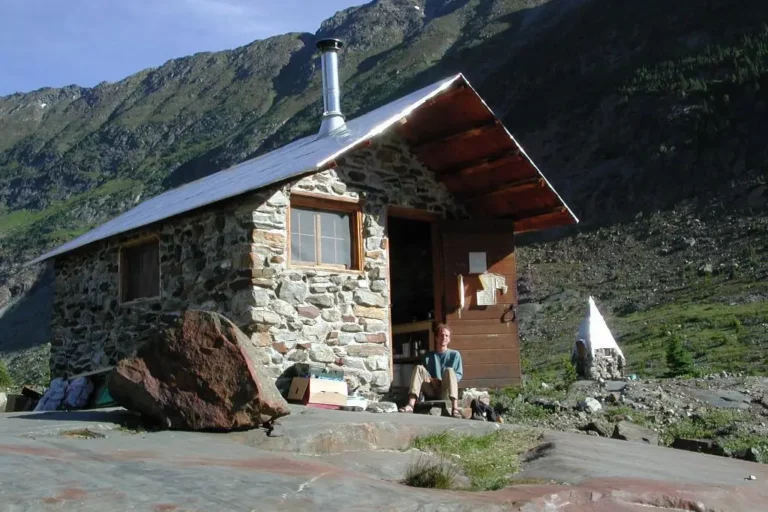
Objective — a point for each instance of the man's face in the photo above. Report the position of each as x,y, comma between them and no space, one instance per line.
443,339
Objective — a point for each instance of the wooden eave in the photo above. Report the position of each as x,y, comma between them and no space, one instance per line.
470,151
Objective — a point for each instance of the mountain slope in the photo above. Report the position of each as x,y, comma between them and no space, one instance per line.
628,107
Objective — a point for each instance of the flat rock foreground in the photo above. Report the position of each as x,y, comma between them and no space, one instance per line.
334,460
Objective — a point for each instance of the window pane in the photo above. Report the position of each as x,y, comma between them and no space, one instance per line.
335,238
140,269
302,221
307,248
295,246
334,224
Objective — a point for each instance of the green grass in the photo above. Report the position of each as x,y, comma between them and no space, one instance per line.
740,443
6,381
431,474
489,460
613,414
706,425
82,433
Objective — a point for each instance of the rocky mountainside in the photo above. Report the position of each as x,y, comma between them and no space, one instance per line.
646,115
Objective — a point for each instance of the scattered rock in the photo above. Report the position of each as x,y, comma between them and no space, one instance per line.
198,372
699,445
549,405
602,428
751,477
381,407
470,394
628,431
615,386
751,454
590,405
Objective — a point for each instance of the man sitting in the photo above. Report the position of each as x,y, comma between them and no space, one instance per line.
439,375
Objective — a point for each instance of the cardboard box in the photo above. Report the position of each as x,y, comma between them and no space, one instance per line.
318,391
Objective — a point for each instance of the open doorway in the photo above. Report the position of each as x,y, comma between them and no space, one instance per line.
412,289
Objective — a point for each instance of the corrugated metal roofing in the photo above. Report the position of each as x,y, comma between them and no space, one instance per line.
299,157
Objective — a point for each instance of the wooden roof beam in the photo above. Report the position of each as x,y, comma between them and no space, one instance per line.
540,219
445,138
447,95
496,160
514,187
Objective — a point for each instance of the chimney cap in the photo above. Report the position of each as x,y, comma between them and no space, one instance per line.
329,44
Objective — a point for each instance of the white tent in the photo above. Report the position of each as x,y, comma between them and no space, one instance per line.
594,333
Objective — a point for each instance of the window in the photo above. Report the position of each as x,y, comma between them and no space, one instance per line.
324,236
140,271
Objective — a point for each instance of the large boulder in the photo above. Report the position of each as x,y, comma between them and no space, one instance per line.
628,431
198,371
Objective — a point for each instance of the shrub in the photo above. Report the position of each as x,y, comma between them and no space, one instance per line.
5,377
679,360
431,474
569,373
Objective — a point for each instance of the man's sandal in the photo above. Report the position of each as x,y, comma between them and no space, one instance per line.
457,414
407,408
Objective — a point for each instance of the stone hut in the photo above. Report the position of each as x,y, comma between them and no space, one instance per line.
339,249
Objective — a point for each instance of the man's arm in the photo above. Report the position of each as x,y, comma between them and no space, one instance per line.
458,367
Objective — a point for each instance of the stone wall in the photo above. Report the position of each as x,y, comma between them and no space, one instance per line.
233,259
204,263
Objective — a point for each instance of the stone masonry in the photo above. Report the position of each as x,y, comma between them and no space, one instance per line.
232,258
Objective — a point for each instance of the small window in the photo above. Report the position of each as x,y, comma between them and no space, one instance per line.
324,237
140,271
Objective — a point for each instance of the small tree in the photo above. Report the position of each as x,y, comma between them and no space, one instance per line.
679,360
570,375
5,378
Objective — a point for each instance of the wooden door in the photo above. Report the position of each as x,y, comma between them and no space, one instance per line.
486,335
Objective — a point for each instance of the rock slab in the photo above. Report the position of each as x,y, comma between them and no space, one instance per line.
628,431
198,371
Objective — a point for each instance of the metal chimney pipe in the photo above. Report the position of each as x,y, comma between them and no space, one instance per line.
332,116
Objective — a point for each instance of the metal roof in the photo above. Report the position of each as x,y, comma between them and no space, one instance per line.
303,156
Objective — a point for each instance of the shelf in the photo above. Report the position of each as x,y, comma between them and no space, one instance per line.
425,325
406,360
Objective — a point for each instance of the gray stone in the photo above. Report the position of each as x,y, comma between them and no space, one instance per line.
293,292
751,454
378,286
629,431
381,407
374,325
615,386
367,298
699,445
321,301
321,353
377,363
284,336
346,339
282,308
722,398
355,362
380,379
352,328
601,427
331,315
265,317
590,405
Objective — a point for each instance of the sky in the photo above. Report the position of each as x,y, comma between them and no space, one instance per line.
61,42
